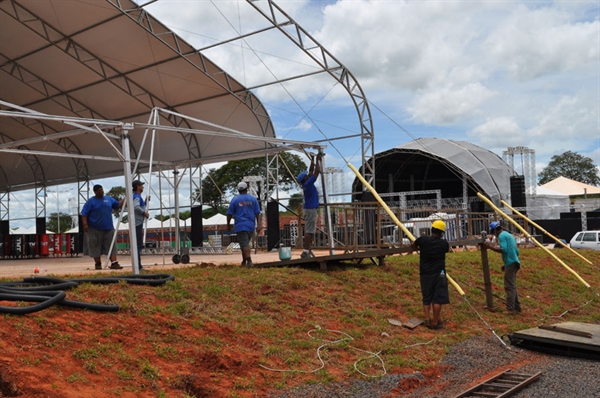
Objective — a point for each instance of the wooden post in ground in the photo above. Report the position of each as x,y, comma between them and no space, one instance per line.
486,273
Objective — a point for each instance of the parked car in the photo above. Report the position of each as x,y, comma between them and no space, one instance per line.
586,240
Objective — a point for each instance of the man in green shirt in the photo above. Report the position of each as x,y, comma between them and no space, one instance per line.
507,245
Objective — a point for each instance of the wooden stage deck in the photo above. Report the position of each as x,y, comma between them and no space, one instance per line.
377,256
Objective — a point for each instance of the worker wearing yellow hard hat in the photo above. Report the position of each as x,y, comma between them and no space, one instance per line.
432,273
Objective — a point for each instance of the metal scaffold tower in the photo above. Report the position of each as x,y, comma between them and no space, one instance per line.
527,166
334,182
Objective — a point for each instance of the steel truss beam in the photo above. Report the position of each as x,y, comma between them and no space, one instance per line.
201,63
331,65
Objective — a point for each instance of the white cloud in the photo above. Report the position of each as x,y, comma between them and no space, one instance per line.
464,66
498,133
449,104
303,125
531,43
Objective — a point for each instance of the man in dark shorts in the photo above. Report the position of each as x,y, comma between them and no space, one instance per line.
245,210
96,217
507,245
432,270
307,181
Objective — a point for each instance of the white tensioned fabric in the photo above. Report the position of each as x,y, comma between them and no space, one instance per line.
484,167
112,61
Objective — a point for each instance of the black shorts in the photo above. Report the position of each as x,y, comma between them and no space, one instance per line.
434,288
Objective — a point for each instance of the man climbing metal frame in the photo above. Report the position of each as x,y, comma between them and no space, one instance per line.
307,180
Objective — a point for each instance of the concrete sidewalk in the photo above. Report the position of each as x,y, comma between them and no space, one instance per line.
84,265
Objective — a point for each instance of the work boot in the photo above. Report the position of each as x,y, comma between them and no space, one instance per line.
115,265
439,325
305,255
98,265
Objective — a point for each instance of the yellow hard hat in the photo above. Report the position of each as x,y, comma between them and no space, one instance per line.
439,224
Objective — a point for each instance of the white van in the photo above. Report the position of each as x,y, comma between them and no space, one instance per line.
586,240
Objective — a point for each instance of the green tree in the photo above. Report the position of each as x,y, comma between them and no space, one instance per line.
212,195
119,194
208,213
160,217
66,222
184,216
296,202
224,180
570,165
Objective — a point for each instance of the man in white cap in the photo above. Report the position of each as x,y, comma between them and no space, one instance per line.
244,209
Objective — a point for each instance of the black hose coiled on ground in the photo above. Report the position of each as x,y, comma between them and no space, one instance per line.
48,291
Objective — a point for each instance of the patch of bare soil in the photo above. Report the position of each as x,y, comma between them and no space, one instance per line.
105,356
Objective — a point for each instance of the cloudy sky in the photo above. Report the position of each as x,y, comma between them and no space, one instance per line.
496,73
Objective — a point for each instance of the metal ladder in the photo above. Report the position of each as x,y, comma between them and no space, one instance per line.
503,385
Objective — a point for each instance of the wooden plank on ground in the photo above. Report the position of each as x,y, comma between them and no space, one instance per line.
412,323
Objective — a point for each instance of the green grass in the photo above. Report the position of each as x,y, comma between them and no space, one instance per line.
225,321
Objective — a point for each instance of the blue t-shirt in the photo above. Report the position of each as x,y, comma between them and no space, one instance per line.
139,209
510,252
244,209
99,212
311,195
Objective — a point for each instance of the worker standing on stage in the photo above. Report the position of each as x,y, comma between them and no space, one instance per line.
311,202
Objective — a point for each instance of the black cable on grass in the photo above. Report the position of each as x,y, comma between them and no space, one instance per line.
48,291
145,279
44,302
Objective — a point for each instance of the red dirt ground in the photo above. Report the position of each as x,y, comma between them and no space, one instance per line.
31,359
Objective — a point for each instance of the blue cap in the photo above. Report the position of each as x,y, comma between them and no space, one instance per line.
301,176
494,225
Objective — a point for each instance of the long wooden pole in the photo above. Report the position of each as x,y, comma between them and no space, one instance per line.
544,231
489,202
395,219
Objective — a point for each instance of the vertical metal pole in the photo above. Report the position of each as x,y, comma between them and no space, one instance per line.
129,201
162,222
176,193
327,209
57,210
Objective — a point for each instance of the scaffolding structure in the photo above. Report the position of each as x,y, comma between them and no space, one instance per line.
335,183
527,166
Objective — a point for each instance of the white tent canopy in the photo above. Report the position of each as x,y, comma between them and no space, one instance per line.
217,219
83,78
26,231
567,186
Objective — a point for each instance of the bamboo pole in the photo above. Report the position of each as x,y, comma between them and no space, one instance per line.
544,231
497,210
395,219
